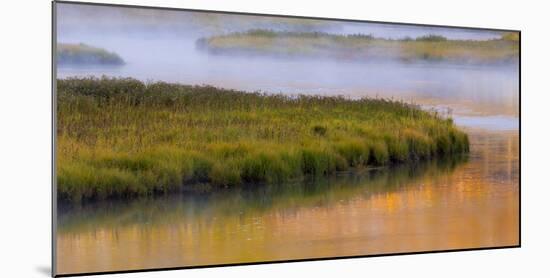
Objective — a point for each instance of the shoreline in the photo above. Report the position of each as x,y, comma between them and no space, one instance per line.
205,189
415,170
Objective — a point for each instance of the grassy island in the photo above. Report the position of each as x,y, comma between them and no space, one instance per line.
363,47
83,54
121,137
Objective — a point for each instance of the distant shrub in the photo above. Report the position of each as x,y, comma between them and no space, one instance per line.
432,38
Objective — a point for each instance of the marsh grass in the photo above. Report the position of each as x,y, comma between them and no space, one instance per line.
123,138
81,53
363,47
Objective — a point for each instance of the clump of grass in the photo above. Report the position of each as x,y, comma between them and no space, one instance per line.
123,138
84,54
319,130
360,47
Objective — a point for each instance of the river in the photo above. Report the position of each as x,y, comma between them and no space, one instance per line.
468,203
426,207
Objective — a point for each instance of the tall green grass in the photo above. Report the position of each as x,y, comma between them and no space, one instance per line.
361,47
121,137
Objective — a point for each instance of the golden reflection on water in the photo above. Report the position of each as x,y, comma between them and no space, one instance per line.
469,205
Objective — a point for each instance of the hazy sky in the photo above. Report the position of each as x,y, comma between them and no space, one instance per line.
75,19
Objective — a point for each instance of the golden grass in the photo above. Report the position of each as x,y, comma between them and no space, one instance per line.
120,137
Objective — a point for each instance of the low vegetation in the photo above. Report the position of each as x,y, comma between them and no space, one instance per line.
121,137
76,54
363,47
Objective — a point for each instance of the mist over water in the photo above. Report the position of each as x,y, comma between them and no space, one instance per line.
161,46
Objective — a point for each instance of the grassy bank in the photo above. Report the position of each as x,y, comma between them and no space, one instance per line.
232,202
120,137
84,54
363,47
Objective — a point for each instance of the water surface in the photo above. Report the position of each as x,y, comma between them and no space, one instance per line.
439,205
423,207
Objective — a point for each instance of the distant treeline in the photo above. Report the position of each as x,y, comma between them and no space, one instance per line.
361,47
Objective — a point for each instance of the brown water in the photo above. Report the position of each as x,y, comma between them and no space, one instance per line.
429,206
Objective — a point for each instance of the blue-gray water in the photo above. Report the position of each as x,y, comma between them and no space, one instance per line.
468,89
160,45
